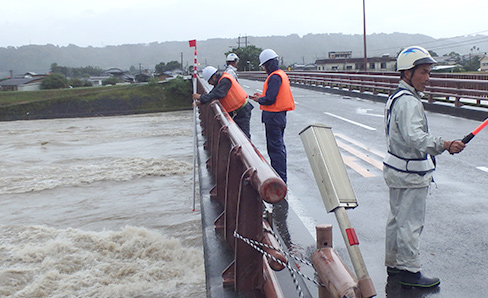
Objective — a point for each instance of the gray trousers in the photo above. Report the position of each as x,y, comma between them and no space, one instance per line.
404,227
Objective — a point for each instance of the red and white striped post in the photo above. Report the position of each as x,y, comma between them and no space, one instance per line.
193,43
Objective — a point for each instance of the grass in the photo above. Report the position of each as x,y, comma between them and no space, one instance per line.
96,101
21,97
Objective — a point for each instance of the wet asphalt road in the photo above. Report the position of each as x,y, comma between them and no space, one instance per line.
454,244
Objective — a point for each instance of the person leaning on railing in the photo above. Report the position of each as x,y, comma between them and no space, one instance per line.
408,167
230,94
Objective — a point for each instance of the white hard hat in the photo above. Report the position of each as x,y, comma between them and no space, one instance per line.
232,57
208,72
413,56
267,55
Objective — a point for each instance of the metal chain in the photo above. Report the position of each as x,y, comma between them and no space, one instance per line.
255,244
287,253
292,270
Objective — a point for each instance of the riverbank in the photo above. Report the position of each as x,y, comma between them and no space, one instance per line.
174,95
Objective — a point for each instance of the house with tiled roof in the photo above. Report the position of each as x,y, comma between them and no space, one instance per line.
27,82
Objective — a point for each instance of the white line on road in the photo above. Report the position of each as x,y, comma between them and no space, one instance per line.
366,112
485,169
350,121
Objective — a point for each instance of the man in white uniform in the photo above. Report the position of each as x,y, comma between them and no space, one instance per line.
408,167
231,68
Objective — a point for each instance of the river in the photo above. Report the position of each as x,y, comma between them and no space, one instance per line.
99,207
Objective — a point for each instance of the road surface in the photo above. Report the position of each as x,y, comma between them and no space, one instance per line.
454,244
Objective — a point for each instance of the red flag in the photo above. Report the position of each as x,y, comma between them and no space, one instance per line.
193,43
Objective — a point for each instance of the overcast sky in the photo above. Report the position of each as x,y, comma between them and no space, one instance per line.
113,22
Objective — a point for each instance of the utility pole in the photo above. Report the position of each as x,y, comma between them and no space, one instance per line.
239,41
364,36
181,60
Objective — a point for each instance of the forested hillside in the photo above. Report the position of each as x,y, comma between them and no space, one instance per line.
293,49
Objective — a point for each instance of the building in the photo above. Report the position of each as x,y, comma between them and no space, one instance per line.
384,63
339,55
27,82
484,63
118,73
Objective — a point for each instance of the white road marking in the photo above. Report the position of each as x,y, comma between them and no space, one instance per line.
485,169
366,112
350,121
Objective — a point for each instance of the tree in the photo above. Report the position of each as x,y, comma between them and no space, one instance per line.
172,65
111,81
248,57
160,68
76,72
471,64
54,81
433,54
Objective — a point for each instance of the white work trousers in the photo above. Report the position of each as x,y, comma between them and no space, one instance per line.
404,226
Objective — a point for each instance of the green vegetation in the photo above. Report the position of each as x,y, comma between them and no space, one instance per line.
96,101
76,72
54,81
248,57
172,65
111,81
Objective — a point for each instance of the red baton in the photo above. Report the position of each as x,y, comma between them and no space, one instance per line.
471,135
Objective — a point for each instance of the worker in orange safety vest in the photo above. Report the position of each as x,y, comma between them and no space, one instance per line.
275,101
230,94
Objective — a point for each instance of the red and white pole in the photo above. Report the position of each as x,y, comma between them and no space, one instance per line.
193,43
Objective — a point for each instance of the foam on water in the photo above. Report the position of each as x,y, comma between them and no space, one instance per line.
99,207
26,178
39,261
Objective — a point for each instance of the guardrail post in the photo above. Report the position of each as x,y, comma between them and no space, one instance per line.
248,261
338,281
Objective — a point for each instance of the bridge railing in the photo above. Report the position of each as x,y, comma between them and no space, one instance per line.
452,88
243,181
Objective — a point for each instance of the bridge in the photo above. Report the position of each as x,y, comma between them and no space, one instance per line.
452,247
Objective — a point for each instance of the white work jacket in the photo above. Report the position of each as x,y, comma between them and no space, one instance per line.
231,70
408,137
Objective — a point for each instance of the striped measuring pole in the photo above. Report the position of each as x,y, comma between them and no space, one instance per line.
193,43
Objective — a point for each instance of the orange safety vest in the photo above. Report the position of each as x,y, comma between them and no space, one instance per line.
284,99
236,97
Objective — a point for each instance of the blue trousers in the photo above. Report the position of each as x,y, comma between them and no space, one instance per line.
276,148
242,118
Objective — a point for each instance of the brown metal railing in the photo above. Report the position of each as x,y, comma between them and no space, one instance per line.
453,88
243,181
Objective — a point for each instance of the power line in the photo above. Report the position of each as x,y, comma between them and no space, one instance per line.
448,44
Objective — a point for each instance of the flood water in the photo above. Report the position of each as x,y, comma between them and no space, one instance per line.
99,207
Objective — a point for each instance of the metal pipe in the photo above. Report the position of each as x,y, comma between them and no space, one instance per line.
350,238
332,272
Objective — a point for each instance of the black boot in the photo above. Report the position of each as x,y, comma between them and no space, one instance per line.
392,271
411,279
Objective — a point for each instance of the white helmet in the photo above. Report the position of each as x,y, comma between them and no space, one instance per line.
267,55
232,57
413,56
208,72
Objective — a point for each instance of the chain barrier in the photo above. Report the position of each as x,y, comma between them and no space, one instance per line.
257,246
